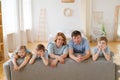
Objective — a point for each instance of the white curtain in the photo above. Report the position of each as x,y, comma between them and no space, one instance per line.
17,22
86,16
10,22
26,21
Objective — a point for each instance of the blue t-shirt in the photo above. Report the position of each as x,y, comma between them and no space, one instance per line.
95,49
53,49
79,48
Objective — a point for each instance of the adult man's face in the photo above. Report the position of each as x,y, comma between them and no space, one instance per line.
77,39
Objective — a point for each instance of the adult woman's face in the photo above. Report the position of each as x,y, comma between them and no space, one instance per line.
59,41
77,39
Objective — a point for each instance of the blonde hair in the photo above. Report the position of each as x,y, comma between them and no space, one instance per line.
63,36
19,48
22,47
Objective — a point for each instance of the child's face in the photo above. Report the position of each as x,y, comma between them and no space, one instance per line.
21,53
102,44
39,52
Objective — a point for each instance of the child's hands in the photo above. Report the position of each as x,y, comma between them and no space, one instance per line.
16,68
103,49
99,47
42,55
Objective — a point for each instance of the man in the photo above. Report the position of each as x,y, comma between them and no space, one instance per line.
79,49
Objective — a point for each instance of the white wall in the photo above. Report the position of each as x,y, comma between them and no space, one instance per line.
108,9
56,21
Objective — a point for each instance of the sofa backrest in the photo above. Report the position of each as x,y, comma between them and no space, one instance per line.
71,70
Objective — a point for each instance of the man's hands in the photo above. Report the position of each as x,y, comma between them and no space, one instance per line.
79,58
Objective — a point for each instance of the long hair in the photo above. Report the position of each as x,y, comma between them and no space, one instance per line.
63,36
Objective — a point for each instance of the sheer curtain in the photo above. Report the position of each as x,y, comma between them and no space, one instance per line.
27,20
11,26
86,16
17,24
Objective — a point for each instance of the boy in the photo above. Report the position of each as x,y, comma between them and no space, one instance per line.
41,53
101,49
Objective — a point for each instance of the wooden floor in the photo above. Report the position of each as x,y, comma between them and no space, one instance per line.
114,46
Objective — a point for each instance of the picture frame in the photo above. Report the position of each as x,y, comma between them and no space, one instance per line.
68,1
68,12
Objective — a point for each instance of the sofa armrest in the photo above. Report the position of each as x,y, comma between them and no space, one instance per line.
7,70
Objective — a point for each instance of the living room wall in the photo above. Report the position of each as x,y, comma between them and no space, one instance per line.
108,9
56,20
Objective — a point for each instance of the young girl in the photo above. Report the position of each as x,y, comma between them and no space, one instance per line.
22,52
101,49
40,52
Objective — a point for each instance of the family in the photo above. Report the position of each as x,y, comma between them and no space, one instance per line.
77,49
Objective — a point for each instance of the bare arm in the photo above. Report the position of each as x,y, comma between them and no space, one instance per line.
58,58
107,56
45,61
64,55
25,61
95,56
15,60
72,56
54,56
86,56
32,60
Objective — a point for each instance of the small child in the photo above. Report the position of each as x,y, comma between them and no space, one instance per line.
24,53
101,49
40,52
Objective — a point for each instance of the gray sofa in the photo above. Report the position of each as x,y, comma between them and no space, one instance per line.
71,70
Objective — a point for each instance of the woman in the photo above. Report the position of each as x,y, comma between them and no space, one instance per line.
58,50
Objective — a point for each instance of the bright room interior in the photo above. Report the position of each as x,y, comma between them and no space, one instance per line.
29,22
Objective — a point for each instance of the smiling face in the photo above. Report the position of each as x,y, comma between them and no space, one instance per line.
40,49
39,52
77,39
102,44
21,53
59,41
